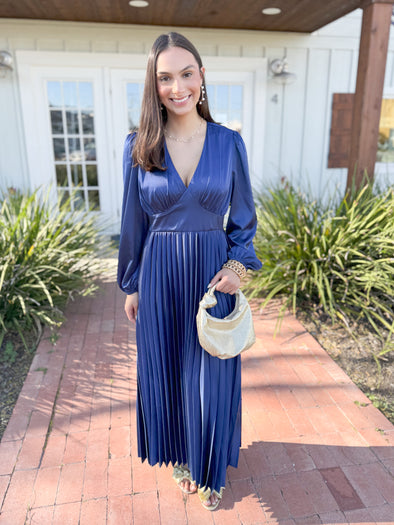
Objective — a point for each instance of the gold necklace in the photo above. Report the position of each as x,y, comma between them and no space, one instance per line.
188,139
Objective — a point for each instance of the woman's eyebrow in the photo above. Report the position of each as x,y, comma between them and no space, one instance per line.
184,69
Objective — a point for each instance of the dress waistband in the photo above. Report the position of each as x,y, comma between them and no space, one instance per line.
184,222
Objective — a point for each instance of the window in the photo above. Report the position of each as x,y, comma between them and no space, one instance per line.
386,132
73,137
226,104
134,93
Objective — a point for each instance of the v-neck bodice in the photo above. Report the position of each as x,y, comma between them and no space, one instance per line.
169,160
208,193
165,204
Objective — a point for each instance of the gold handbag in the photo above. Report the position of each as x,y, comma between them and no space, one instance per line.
228,337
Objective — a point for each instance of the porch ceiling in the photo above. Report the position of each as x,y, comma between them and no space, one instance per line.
300,16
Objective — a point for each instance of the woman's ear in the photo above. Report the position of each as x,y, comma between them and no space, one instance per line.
202,72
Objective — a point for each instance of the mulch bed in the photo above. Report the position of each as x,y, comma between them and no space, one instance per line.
13,374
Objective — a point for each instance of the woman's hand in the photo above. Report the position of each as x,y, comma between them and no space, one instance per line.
131,306
228,281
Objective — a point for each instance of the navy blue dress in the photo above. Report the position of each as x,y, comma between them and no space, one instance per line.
172,243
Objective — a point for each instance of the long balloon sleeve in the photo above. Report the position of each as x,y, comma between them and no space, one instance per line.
242,222
134,225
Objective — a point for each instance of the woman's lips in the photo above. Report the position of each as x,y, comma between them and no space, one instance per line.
180,101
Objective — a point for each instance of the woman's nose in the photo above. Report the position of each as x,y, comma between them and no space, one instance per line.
177,86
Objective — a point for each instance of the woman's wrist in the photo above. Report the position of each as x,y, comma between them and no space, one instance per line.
236,267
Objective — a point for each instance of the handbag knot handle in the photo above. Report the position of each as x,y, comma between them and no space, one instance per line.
209,299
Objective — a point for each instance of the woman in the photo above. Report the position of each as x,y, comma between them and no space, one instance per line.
181,173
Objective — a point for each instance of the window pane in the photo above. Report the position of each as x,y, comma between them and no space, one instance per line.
76,175
79,200
57,122
386,132
74,149
236,98
59,149
94,200
70,94
54,94
211,96
87,122
235,121
222,99
72,122
85,95
61,175
90,149
63,196
134,97
91,175
225,102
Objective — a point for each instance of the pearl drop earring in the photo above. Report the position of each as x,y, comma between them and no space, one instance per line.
202,94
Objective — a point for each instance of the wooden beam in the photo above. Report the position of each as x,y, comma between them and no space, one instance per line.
369,90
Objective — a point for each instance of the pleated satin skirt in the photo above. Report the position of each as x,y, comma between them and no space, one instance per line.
188,403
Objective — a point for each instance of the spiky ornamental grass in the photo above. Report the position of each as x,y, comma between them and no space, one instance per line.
47,255
338,256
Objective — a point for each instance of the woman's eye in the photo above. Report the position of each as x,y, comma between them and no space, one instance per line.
187,75
163,79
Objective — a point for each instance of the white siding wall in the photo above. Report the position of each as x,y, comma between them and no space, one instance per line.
296,137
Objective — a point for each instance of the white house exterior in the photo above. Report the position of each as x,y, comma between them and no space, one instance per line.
75,90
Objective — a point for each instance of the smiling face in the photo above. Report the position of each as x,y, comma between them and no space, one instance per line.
179,81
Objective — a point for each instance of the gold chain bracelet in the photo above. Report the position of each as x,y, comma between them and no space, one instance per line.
236,267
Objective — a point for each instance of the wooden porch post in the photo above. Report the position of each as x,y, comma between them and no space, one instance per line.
369,89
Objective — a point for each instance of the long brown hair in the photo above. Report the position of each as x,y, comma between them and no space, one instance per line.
148,149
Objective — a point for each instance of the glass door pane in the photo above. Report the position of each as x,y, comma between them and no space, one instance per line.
134,91
226,104
72,118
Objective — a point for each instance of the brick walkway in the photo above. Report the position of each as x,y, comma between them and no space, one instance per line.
315,451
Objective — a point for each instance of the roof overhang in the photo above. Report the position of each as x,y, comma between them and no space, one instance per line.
303,16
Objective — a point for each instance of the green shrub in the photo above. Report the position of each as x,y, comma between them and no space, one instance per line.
338,256
47,255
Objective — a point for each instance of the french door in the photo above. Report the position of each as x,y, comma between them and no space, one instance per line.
66,136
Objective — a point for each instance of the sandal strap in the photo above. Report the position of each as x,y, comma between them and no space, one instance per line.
180,473
205,493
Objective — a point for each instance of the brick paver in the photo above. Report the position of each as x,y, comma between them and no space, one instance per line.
314,449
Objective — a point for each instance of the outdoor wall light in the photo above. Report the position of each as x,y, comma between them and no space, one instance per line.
280,73
6,62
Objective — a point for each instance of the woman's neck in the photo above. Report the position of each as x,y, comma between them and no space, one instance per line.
183,125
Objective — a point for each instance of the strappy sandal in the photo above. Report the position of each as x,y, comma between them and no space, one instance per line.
204,496
183,474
